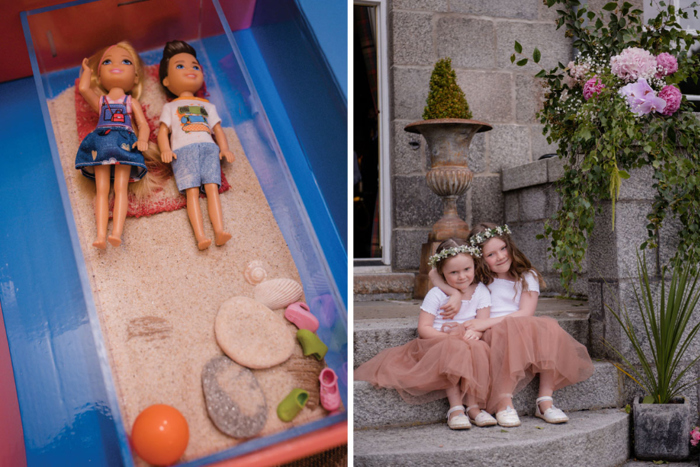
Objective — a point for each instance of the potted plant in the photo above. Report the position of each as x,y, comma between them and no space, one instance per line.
662,419
448,131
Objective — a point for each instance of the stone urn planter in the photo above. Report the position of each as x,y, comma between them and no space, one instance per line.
661,431
448,141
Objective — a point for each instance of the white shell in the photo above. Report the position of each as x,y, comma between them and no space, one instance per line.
255,273
278,293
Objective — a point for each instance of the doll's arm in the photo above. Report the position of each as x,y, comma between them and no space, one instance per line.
223,143
166,154
425,326
451,308
142,124
85,88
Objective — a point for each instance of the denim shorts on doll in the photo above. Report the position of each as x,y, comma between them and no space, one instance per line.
196,165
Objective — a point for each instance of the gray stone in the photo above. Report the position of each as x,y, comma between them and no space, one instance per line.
529,98
489,94
548,14
371,336
533,202
526,175
525,237
409,151
412,38
416,205
511,202
555,169
553,200
509,146
638,186
407,246
383,283
600,437
669,239
428,5
539,143
521,9
235,402
550,41
469,42
486,200
661,431
411,86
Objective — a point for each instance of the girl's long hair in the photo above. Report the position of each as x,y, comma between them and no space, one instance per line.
519,265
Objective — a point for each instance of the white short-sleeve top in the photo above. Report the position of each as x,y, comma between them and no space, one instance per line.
435,298
505,294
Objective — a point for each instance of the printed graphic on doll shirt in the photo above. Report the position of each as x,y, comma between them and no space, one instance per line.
193,118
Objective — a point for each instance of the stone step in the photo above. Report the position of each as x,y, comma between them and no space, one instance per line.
378,407
390,323
595,438
372,286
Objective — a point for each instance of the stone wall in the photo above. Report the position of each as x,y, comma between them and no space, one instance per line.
479,37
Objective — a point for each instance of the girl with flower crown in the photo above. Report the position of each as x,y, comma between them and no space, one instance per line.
446,360
521,344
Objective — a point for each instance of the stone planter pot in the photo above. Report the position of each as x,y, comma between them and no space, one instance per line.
448,141
661,431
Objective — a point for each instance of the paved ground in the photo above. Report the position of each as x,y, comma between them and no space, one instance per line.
385,309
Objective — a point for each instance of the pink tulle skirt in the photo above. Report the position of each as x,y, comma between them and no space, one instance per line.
423,369
522,347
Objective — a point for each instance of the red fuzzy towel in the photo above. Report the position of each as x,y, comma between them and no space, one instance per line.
161,200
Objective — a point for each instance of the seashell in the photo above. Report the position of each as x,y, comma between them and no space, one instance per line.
255,273
278,293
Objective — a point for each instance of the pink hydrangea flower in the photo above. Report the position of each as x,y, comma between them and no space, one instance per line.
578,71
633,63
641,98
672,95
592,87
695,436
667,64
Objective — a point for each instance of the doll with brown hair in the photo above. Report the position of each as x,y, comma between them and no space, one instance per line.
522,345
111,83
185,139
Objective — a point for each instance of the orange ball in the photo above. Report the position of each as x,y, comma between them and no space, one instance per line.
160,434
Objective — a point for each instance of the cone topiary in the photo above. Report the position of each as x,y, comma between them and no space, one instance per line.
446,99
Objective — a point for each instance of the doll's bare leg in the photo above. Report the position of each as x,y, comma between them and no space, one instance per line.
546,389
121,202
195,214
215,214
102,176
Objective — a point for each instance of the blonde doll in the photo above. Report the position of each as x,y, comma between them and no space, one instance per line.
111,82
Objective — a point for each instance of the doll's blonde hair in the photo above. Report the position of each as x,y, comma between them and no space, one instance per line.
94,64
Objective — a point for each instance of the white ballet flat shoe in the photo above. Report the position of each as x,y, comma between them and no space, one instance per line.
552,414
483,419
458,422
508,417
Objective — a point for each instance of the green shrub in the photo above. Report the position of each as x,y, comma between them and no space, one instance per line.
446,99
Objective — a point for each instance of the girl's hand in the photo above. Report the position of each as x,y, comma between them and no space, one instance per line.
167,156
228,155
480,325
472,335
451,308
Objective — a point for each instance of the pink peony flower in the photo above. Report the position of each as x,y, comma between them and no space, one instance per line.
641,98
633,63
695,436
672,95
592,87
667,63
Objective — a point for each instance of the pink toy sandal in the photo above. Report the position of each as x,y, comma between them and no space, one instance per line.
299,314
330,396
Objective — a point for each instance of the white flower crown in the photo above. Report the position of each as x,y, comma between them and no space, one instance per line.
480,238
455,250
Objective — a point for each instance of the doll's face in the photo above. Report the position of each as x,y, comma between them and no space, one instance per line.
117,69
185,75
458,271
495,253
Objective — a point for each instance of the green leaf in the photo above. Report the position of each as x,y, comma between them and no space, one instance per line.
522,62
623,174
512,58
648,400
539,427
610,6
628,409
504,431
540,74
518,47
536,55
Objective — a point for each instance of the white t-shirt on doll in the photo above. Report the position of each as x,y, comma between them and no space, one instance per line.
505,294
435,298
